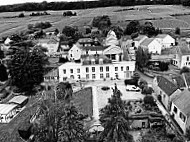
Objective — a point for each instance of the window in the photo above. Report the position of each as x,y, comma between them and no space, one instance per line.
127,68
101,69
93,69
72,76
116,68
107,68
175,109
182,116
78,70
121,68
107,75
78,76
116,75
52,77
71,55
71,70
93,76
101,75
187,58
113,56
64,71
87,76
87,69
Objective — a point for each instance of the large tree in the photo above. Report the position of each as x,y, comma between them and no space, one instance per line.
142,57
113,118
27,67
132,27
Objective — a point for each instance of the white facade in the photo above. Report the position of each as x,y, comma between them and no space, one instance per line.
181,60
111,39
166,40
137,41
153,47
176,113
76,71
75,53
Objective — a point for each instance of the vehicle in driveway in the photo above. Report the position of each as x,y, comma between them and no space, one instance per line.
132,88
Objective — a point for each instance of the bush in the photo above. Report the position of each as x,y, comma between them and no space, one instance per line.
21,15
131,82
101,22
149,100
105,88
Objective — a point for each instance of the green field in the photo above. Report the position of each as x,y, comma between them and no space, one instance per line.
160,15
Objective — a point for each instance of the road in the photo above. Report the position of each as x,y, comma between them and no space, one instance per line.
147,78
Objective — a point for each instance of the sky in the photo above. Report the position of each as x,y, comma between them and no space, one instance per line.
7,2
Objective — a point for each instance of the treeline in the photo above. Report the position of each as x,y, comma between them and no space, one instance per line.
84,4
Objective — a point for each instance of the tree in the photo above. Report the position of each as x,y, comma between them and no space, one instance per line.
69,31
142,57
101,22
164,66
27,67
184,70
113,118
177,31
148,29
118,31
3,73
132,27
149,100
72,128
21,15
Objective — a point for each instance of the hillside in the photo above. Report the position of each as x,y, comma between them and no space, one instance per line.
163,16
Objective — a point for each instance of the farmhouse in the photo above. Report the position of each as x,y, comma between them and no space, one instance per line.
166,40
180,110
138,40
165,90
96,67
152,45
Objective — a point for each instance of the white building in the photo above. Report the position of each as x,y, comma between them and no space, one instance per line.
182,56
96,68
166,40
111,39
152,45
180,110
138,40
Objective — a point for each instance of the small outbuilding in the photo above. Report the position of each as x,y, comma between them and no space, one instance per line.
20,100
7,112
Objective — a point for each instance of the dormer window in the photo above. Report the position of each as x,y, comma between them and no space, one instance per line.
92,61
100,61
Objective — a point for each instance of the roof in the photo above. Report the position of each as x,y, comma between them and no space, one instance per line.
48,41
187,78
85,40
87,59
93,48
183,48
161,36
147,41
6,108
167,86
53,72
18,99
140,37
182,102
179,81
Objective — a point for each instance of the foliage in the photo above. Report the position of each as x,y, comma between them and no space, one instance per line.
136,76
142,57
132,27
118,31
69,13
188,134
164,66
101,22
147,90
113,118
39,25
21,15
149,100
148,29
131,82
39,13
27,67
72,129
69,31
3,73
185,69
64,91
177,31
142,83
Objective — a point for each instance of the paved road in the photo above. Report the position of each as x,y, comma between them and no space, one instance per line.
147,78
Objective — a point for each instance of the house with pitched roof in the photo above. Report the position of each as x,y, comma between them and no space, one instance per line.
182,55
113,52
166,40
152,45
111,39
165,90
180,110
138,40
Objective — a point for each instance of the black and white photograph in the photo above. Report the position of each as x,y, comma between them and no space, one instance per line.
94,70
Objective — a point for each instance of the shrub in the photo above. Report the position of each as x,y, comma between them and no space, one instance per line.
105,88
21,15
131,82
149,100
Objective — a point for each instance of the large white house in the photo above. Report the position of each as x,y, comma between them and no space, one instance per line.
152,45
166,40
96,67
138,40
111,39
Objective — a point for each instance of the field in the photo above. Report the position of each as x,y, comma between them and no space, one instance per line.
160,15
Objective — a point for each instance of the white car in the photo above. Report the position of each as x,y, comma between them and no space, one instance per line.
132,88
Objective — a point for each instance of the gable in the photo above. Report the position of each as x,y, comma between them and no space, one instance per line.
154,43
74,48
113,50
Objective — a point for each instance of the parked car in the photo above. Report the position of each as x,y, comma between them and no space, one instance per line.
132,88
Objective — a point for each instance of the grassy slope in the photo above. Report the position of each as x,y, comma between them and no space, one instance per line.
12,25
